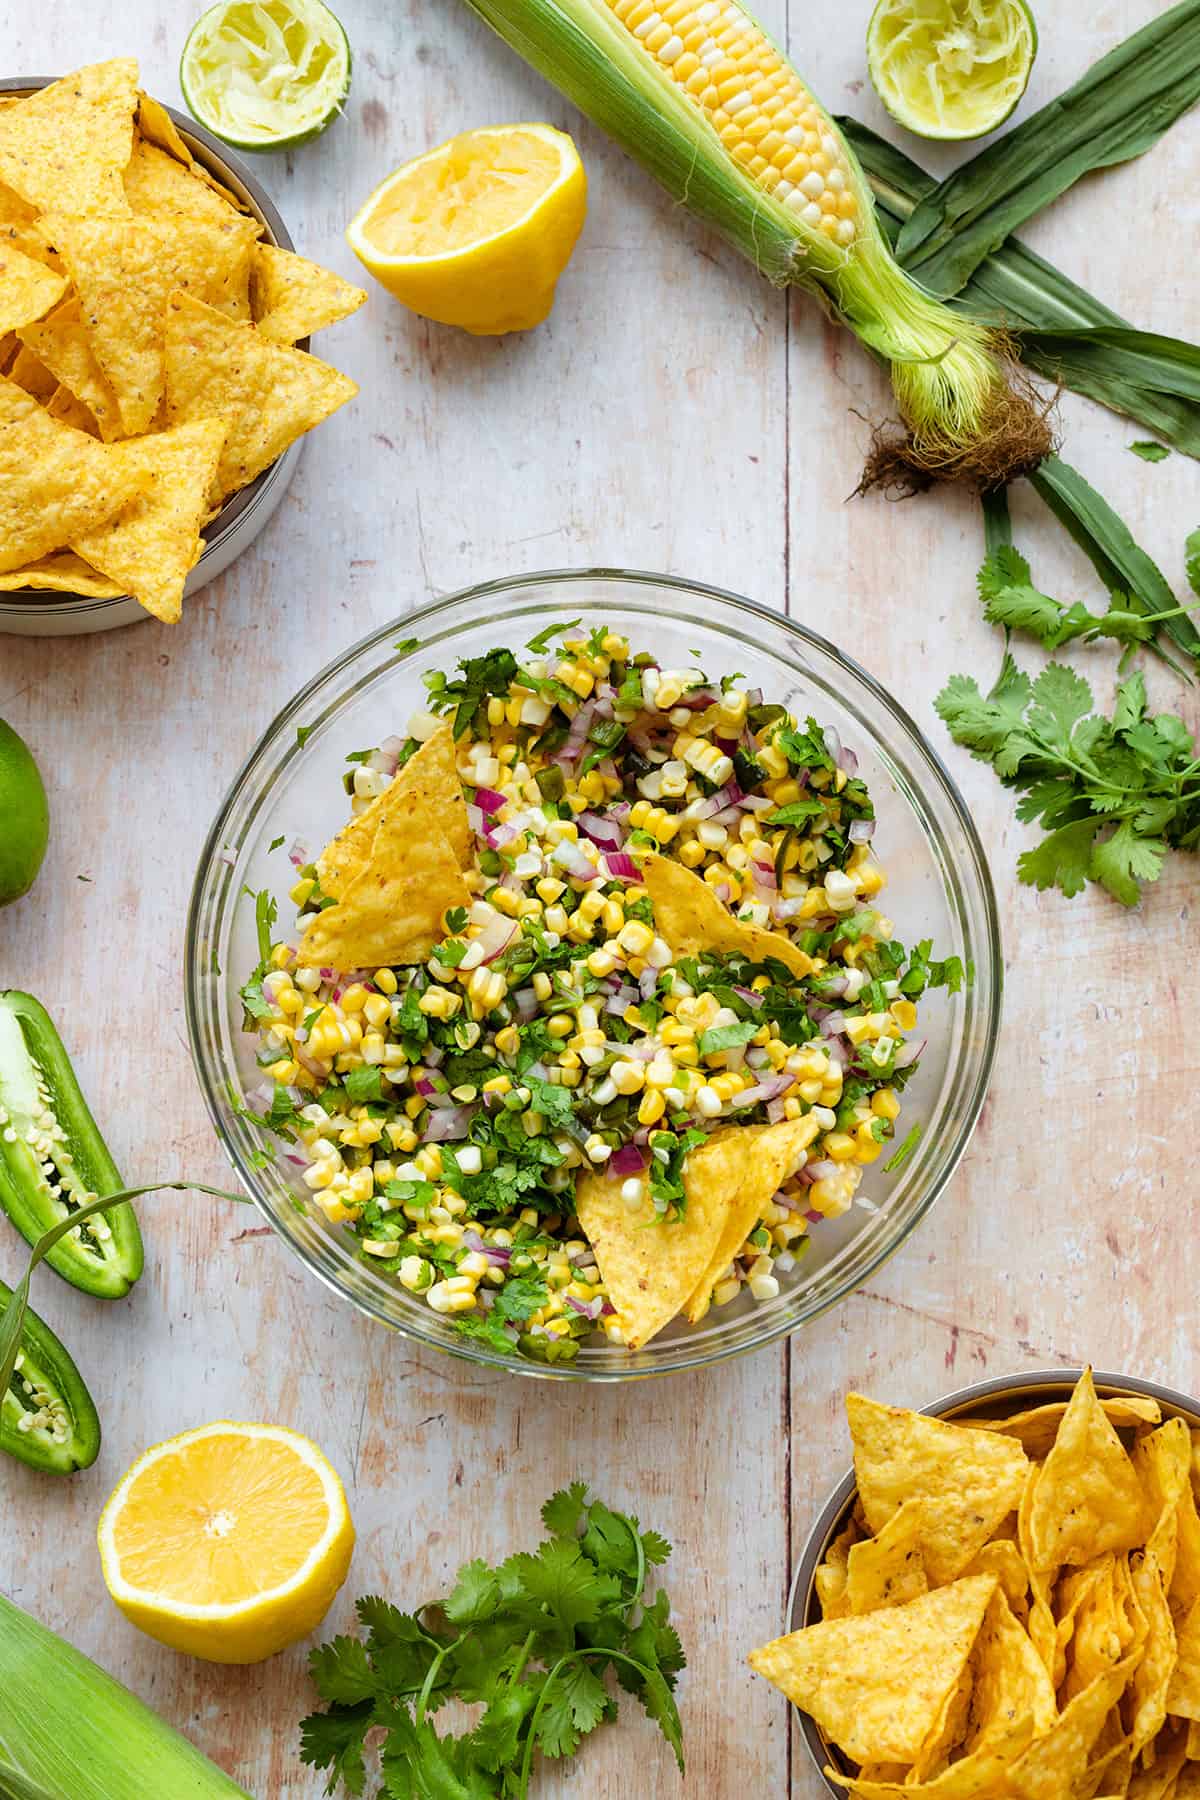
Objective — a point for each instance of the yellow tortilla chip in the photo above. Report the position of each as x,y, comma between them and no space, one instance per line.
270,395
152,544
32,375
64,147
156,125
692,919
1054,1763
158,186
970,1480
292,297
63,346
27,288
1087,1498
889,1570
1185,1589
1037,1428
124,270
1161,1781
1099,1634
1152,1677
1011,1682
68,409
770,1153
980,1776
1183,1694
63,573
54,482
877,1684
650,1268
1003,1559
431,774
391,913
830,1576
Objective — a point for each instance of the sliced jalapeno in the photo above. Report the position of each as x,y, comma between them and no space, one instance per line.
53,1159
47,1418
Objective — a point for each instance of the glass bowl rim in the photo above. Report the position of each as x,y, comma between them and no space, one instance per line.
406,625
1033,1387
237,511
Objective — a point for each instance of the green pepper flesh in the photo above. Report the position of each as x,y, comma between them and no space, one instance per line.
47,1416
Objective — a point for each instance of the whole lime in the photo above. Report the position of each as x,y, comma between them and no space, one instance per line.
24,817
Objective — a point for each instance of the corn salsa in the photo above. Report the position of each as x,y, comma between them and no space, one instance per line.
442,1110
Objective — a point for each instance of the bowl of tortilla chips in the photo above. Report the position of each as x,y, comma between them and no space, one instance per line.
291,792
154,383
1003,1597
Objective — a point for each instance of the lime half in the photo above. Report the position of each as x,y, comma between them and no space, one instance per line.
951,68
266,74
24,817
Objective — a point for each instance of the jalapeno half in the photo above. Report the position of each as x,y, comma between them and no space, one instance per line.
53,1159
47,1418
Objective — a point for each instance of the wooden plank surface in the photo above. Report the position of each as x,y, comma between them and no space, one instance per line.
674,414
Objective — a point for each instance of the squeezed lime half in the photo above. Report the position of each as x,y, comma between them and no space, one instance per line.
266,74
24,817
951,68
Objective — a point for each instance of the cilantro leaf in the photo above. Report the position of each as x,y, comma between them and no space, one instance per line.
1123,860
520,1296
334,1740
563,1512
364,1083
341,1671
1191,552
727,1037
1061,860
573,1702
1149,451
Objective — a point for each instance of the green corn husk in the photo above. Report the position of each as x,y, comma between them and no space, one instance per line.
1062,331
951,386
68,1731
1121,107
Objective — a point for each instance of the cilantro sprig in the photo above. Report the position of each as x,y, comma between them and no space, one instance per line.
1011,600
1114,793
534,1641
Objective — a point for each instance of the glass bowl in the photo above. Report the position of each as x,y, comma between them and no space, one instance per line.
998,1397
939,888
29,613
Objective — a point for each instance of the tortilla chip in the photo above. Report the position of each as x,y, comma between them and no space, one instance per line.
1037,1428
1152,1677
692,919
769,1153
64,147
63,573
157,186
68,409
889,1570
64,347
54,482
431,773
292,297
1003,1559
877,1685
1054,1763
125,269
31,374
391,913
830,1576
1087,1498
27,288
1011,1682
1185,1589
1161,1781
157,126
946,1734
152,545
271,395
979,1776
1099,1634
970,1480
650,1268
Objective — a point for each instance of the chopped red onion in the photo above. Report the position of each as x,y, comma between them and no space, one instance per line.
722,892
907,1055
476,820
433,1055
756,803
785,1201
618,1002
380,762
602,831
590,1309
496,936
749,996
619,866
839,1050
628,1160
500,836
424,1086
847,762
447,1124
754,697
572,750
814,1217
786,909
861,831
832,1025
647,982
767,1090
821,1171
488,800
775,1111
698,699
298,853
526,1003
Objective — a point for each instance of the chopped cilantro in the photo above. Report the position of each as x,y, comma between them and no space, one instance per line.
727,1037
364,1083
405,646
541,643
273,845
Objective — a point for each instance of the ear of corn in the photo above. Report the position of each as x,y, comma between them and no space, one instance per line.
69,1732
701,97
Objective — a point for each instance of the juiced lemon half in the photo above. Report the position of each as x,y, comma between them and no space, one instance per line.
477,232
228,1542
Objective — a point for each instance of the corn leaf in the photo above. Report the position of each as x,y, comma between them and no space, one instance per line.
1118,110
1057,324
68,1731
1121,563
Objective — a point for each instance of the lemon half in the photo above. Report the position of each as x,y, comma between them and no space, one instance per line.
951,68
228,1542
477,232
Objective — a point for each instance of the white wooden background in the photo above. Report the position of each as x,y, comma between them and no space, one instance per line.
674,414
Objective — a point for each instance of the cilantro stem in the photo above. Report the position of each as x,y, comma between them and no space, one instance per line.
522,1659
572,1656
431,1675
